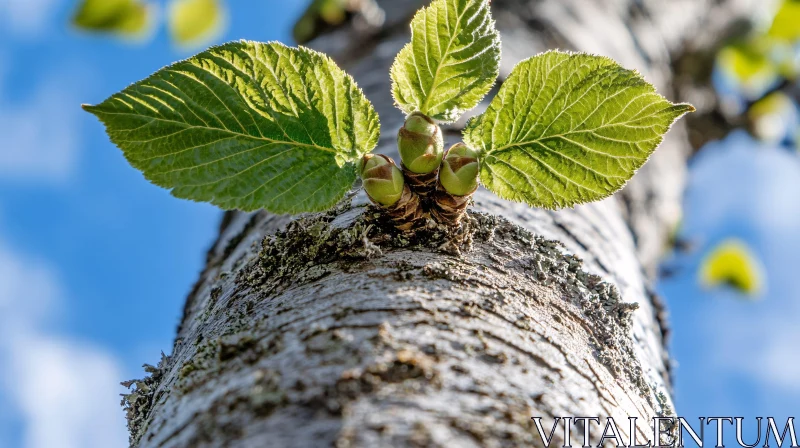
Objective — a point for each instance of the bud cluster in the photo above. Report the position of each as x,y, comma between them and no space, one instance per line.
432,182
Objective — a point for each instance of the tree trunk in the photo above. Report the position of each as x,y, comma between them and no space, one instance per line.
331,329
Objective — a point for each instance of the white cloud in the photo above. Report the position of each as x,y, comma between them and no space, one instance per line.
39,137
65,392
28,293
68,393
778,362
759,341
740,180
27,18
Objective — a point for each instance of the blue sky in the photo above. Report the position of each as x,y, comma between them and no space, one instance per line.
95,262
739,357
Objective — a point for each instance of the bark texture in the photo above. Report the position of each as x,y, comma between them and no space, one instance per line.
333,330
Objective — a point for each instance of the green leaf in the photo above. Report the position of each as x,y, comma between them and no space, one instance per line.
246,125
732,263
786,24
568,128
452,61
192,22
125,17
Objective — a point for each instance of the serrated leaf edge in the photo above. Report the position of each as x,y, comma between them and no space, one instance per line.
409,44
687,108
347,165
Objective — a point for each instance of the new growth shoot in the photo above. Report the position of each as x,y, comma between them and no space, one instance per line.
564,129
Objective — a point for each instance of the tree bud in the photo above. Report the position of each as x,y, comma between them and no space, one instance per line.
420,143
382,180
459,172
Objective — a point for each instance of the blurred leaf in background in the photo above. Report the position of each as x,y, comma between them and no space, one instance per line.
733,263
756,78
785,33
748,68
774,118
128,18
193,23
319,14
786,24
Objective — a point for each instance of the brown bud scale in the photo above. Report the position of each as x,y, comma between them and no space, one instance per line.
421,184
448,208
407,212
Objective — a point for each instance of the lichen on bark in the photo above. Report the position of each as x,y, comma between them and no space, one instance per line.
487,266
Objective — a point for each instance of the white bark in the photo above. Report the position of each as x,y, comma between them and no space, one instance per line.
334,331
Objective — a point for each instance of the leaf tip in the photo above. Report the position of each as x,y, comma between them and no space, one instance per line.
681,109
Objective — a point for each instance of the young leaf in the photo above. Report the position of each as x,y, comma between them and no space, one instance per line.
568,128
193,21
246,125
451,62
126,17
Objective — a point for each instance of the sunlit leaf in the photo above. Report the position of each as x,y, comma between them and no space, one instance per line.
452,61
193,22
124,17
749,67
732,263
786,24
773,118
568,128
246,125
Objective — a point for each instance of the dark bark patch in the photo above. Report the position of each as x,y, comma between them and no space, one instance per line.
306,243
401,366
309,243
229,351
234,345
